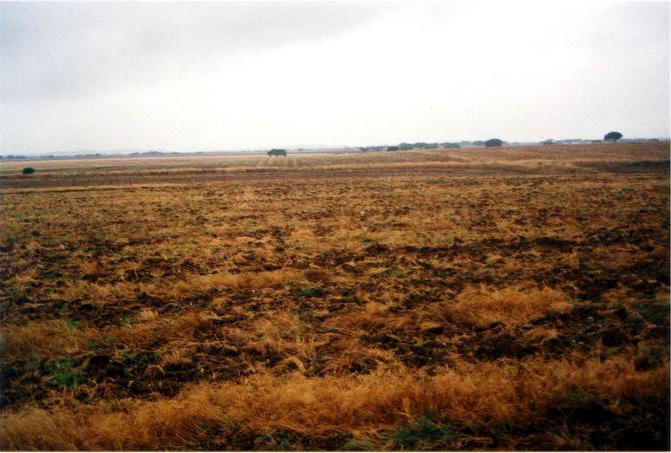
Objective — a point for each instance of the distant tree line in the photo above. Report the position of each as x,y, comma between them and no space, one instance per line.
445,145
612,136
408,146
493,142
13,156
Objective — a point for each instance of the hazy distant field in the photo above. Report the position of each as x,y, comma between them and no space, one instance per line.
513,298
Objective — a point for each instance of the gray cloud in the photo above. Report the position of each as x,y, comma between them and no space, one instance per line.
53,50
251,74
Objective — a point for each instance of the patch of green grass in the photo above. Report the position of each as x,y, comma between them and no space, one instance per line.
422,433
393,271
266,437
133,358
284,444
93,346
307,291
62,373
34,362
356,445
72,323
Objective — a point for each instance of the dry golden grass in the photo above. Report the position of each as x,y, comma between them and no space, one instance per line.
457,299
481,395
47,338
512,305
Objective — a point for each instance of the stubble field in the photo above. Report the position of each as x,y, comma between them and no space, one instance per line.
513,298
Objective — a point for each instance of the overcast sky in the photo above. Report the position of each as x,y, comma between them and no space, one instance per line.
206,76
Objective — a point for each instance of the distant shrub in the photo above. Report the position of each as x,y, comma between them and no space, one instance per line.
393,148
277,152
493,142
612,136
28,171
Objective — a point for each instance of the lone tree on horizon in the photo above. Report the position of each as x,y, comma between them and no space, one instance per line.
612,136
277,152
493,142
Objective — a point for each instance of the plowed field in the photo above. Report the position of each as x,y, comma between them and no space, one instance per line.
475,299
